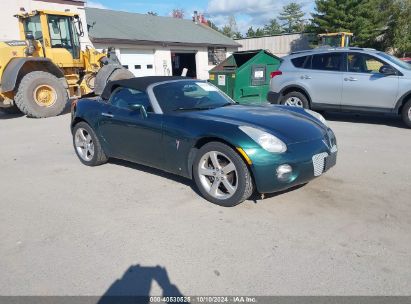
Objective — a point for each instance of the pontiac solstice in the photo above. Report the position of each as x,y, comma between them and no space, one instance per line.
190,128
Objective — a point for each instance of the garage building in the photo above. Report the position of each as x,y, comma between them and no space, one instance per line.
152,45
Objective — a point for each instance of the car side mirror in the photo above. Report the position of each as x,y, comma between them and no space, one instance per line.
387,70
139,108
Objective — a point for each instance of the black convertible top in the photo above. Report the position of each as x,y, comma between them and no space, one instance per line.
138,83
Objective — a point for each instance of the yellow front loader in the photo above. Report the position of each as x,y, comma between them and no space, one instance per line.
47,67
341,39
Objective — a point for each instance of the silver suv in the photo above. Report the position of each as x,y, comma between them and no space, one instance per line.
346,79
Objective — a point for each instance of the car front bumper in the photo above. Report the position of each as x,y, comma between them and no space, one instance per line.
308,161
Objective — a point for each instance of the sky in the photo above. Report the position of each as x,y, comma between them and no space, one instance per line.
248,13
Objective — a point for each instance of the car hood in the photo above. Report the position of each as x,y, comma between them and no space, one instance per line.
291,125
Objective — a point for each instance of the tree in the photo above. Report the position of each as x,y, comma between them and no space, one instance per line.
231,29
272,28
250,33
367,19
397,37
151,13
213,25
178,13
293,16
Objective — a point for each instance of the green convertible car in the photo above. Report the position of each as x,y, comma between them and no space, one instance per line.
190,128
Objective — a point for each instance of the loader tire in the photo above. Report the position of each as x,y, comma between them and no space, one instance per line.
40,95
108,73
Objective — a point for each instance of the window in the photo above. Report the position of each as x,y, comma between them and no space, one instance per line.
216,55
125,66
63,34
33,25
123,98
327,62
137,67
363,63
302,62
149,66
189,95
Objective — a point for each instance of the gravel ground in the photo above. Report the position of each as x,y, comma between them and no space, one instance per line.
67,229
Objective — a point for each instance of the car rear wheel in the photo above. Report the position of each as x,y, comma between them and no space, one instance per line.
406,114
87,145
221,175
295,99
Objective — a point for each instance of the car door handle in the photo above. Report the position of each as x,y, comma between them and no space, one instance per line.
350,79
107,115
305,77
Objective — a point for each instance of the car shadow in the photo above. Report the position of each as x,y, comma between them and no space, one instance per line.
173,177
388,120
135,286
257,197
6,116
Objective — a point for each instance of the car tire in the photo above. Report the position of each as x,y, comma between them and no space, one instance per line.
406,114
87,145
226,189
295,99
40,95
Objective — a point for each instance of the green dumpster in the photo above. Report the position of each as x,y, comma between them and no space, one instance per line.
245,76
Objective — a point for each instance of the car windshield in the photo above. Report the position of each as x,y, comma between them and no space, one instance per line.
190,96
396,61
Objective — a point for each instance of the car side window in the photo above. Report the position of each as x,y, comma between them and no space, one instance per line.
302,62
363,63
123,98
327,62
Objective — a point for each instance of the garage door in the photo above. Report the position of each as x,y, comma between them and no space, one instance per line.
140,63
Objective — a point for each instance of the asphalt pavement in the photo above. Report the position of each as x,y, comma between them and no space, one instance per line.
67,229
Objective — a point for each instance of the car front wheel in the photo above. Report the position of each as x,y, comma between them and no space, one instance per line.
87,145
406,114
221,175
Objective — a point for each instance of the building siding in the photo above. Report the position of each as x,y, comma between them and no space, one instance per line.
280,46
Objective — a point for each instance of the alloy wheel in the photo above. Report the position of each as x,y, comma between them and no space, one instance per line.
84,144
294,102
218,175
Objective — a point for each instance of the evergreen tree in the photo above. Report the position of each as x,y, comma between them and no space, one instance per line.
231,29
250,33
367,19
293,17
272,28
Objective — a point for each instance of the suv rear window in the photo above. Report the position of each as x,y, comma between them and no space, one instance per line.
301,62
327,62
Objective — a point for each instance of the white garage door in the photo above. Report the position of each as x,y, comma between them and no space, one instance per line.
140,63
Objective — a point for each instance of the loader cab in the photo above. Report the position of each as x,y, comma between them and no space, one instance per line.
58,34
342,39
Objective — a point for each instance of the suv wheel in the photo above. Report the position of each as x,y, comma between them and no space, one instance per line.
295,99
406,114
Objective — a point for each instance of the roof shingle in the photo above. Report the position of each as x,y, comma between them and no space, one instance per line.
109,25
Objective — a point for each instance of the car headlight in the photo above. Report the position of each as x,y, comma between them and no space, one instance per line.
317,115
266,140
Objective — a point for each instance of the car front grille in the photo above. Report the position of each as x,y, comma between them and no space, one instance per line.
319,163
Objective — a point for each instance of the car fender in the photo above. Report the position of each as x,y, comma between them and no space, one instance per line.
300,87
401,101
